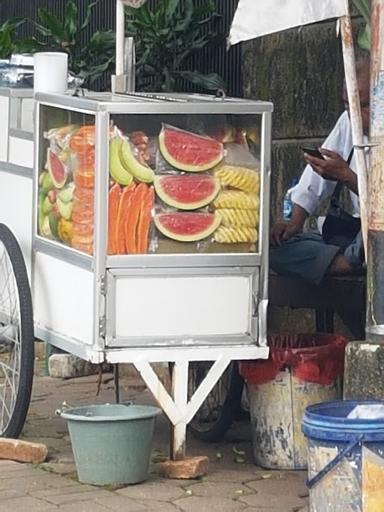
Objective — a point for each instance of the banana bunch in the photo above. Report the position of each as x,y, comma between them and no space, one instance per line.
237,205
124,164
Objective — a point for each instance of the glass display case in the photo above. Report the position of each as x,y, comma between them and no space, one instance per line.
166,199
177,183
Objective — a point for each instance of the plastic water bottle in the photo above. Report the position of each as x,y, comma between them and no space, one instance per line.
287,202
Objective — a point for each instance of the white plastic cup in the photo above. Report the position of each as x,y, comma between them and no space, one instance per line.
51,72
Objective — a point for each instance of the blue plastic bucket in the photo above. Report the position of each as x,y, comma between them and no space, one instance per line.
111,443
345,458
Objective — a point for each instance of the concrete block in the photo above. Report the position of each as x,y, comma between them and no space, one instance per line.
22,451
364,371
129,371
67,366
193,467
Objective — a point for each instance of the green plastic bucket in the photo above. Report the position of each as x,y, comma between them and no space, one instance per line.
111,443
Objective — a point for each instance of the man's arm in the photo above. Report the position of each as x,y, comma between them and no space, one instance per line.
283,231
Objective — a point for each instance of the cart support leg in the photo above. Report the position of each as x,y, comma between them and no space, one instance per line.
180,396
117,382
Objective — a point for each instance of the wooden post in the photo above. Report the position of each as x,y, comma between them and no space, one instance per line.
355,116
180,396
375,271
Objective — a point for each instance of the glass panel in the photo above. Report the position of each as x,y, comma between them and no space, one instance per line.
66,178
184,184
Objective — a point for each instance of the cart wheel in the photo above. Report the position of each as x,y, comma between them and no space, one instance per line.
221,407
16,337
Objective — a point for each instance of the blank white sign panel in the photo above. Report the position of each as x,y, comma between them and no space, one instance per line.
16,193
20,152
4,120
183,306
63,298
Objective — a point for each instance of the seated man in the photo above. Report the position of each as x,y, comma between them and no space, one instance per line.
306,255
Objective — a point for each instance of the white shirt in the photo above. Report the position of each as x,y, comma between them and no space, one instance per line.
312,189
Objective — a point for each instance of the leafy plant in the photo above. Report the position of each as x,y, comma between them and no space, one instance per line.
87,61
166,36
364,8
8,38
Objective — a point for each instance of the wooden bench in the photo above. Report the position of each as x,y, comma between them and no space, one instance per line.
344,295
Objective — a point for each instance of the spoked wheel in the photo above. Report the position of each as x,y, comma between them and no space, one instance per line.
16,337
221,407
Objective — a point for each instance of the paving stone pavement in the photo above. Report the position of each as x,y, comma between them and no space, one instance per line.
230,486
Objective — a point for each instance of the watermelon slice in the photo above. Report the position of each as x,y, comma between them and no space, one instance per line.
187,226
56,169
187,191
189,152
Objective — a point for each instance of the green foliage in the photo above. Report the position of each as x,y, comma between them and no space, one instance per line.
364,8
87,61
166,36
8,35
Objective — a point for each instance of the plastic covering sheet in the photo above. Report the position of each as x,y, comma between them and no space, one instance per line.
315,358
255,18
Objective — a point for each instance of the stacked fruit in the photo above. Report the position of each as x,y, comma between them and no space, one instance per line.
237,205
82,145
130,194
189,190
129,218
55,194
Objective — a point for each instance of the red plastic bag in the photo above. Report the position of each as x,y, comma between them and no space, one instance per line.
315,358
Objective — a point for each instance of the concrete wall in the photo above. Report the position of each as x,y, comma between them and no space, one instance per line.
301,72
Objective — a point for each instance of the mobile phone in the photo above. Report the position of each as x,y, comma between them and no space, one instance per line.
312,151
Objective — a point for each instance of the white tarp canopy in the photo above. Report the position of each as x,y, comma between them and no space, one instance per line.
255,18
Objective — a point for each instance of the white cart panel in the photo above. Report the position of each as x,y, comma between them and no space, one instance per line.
18,217
63,298
4,128
21,152
182,306
27,109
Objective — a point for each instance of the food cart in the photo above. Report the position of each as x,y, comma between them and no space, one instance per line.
150,236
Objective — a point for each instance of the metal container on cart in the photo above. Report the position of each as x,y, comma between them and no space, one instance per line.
151,234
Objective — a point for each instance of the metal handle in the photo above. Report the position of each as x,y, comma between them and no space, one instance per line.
64,406
321,474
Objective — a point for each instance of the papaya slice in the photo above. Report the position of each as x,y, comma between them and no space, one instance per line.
82,138
84,180
86,159
86,248
82,229
143,225
133,218
82,239
113,210
122,215
84,195
82,217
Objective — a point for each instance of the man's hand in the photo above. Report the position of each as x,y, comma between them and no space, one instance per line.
283,231
334,168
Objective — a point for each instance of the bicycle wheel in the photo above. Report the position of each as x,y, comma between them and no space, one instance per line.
221,407
16,337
